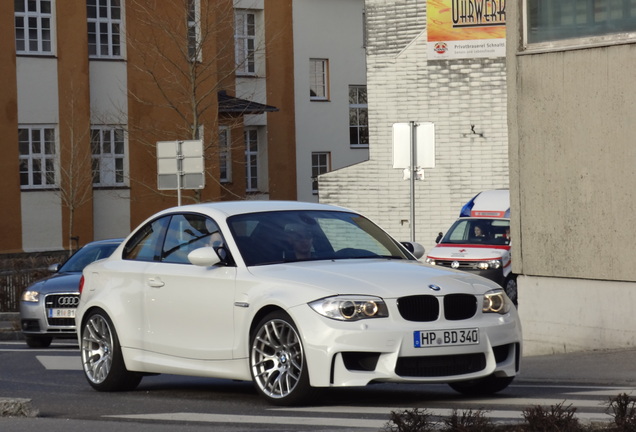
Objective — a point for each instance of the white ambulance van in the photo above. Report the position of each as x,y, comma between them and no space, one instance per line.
479,241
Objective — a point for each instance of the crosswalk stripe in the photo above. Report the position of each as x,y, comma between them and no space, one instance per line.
60,362
282,420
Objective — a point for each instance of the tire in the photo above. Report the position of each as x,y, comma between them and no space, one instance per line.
277,361
102,359
38,341
510,287
482,386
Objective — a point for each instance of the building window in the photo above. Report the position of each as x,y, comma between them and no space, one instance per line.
245,41
251,159
194,30
109,154
358,116
225,160
320,164
318,79
37,157
104,28
579,22
33,20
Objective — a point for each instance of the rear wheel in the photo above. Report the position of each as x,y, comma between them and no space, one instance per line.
102,359
482,386
510,286
38,341
277,361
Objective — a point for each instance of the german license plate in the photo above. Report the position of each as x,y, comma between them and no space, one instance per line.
441,338
62,313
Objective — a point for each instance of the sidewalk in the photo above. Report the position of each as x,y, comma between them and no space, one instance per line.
602,367
10,326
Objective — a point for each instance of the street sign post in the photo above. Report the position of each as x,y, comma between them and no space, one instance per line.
180,166
413,150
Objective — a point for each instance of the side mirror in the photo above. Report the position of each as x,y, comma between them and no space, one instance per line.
439,237
53,268
204,257
415,248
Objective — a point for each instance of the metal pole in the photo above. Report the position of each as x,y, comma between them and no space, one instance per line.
412,168
179,171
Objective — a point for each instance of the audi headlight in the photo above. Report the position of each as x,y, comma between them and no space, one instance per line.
496,301
31,296
350,308
430,261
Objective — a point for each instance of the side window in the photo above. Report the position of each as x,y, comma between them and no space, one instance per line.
186,233
145,245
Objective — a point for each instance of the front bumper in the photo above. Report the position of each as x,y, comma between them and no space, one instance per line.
38,319
382,350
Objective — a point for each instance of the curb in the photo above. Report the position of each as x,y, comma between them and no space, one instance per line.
17,408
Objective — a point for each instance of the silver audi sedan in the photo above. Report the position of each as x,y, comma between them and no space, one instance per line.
47,307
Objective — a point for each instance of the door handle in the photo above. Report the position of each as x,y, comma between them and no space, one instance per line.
155,282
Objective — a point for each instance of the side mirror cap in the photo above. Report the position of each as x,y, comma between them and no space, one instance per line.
204,257
415,248
439,237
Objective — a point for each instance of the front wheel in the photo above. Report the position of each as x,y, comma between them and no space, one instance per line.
38,341
277,361
102,358
482,386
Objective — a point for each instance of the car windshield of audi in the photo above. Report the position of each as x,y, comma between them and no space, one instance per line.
295,297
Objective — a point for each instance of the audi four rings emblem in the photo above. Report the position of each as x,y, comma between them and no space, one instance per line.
68,301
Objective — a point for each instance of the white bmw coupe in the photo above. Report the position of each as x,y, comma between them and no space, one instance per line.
294,297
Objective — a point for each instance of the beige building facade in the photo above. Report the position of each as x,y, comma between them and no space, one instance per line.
571,106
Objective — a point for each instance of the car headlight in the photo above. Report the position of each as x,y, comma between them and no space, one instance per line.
31,296
496,301
350,308
430,261
485,265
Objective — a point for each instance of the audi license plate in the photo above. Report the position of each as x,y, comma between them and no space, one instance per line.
433,338
62,313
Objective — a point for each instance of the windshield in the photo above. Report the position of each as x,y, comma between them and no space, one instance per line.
288,236
478,231
86,255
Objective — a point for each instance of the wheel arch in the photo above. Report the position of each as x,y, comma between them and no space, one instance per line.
258,316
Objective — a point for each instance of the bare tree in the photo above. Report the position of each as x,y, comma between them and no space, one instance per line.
183,53
75,188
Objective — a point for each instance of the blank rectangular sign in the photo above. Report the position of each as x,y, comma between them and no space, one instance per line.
424,141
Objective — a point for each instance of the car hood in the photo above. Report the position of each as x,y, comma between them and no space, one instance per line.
59,282
467,252
379,277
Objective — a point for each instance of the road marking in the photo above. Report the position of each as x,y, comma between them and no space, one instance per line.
60,362
349,422
281,420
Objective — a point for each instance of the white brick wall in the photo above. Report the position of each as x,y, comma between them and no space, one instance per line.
454,94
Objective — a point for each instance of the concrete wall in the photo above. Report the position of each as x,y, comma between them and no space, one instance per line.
405,86
572,171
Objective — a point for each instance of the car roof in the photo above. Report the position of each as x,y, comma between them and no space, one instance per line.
231,208
104,241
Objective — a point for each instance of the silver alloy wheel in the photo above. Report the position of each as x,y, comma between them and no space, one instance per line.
97,349
277,358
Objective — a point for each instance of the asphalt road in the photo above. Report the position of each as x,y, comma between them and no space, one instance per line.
52,381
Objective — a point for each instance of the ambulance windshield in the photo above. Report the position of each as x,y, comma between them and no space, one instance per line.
478,231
